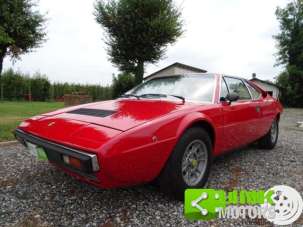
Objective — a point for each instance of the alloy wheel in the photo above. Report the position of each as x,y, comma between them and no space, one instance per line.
194,162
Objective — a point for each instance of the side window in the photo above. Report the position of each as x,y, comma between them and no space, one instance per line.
224,90
254,92
237,86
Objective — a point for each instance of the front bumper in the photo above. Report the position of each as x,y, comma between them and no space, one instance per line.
55,153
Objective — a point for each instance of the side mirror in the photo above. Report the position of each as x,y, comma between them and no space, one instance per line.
231,97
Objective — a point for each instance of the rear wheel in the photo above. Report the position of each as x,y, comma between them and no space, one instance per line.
269,141
189,163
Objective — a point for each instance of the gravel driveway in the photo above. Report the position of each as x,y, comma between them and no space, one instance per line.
34,193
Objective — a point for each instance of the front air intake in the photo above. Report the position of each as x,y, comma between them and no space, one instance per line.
92,112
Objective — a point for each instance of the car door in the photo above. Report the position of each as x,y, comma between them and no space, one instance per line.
238,117
258,103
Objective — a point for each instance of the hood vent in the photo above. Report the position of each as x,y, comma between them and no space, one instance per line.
92,112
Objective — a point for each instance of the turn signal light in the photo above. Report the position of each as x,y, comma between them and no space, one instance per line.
72,161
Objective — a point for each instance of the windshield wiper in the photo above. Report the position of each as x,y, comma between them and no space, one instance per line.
179,97
162,96
129,95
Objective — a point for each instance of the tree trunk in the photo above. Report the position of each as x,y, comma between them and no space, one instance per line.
139,72
1,62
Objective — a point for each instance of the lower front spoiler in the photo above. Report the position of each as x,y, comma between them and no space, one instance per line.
55,153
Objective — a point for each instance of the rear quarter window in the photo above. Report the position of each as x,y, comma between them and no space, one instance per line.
254,92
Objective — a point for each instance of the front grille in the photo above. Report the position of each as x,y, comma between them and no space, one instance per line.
92,112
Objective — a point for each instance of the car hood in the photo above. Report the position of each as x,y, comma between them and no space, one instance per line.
120,114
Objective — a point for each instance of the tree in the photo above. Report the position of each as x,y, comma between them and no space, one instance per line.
290,53
21,28
285,91
138,31
122,83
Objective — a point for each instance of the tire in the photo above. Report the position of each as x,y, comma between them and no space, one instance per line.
173,180
269,141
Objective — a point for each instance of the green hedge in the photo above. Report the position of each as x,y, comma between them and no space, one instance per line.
122,83
18,86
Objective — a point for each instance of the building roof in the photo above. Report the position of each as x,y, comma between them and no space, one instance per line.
180,65
265,82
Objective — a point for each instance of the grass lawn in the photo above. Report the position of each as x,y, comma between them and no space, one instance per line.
12,113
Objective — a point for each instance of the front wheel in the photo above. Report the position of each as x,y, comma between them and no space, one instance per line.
269,141
189,163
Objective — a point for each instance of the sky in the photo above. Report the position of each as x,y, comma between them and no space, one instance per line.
233,37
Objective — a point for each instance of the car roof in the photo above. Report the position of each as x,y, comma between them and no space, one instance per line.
198,74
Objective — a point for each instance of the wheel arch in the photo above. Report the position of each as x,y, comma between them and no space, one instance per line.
207,126
198,120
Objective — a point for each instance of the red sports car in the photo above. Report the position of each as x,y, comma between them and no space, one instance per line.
166,129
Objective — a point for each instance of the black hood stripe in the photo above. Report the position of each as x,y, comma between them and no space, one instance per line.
92,112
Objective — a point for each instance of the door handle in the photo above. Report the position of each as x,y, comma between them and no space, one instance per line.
258,109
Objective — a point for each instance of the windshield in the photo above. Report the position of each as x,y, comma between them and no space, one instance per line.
196,87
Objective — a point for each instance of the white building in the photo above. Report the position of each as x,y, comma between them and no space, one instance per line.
175,69
267,86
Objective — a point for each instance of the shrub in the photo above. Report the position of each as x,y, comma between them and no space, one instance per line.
18,86
40,87
15,85
122,83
